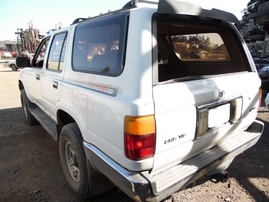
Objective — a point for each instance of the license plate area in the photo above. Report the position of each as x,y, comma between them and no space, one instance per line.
217,114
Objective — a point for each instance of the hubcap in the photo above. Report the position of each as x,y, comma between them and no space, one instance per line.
71,161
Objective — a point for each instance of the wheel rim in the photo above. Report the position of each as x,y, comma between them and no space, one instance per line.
71,161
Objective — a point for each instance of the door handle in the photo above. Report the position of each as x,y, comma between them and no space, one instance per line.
55,84
37,76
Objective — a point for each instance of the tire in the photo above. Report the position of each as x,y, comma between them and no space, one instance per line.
13,67
26,103
83,180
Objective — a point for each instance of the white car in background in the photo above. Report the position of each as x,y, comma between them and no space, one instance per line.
11,64
6,55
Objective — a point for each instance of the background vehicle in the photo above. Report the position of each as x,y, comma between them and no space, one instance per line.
12,64
6,55
264,76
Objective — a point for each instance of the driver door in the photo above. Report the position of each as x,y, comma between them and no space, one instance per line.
32,75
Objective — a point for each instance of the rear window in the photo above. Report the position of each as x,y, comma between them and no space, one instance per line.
193,46
200,47
99,45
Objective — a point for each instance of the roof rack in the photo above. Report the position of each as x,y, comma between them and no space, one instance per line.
179,7
130,4
79,20
133,3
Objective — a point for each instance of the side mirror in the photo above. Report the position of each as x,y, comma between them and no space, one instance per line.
22,62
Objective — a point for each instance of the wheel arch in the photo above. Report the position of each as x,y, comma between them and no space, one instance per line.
21,86
95,182
63,118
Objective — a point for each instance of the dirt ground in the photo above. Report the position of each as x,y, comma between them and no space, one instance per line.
30,168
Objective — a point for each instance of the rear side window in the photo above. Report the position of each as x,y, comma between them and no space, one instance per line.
98,45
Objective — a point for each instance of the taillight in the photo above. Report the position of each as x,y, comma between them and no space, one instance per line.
139,137
260,99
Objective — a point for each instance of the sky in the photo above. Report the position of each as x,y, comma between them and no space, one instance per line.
48,14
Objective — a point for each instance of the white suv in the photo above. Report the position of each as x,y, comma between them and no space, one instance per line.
150,97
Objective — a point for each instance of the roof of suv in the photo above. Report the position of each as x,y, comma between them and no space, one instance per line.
176,7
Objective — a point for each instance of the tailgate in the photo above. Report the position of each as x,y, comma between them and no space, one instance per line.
193,116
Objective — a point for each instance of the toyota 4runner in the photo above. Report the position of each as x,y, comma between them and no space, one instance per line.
149,98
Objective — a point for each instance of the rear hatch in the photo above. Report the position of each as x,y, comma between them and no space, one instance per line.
205,88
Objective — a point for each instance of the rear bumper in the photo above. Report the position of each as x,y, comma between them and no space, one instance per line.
141,186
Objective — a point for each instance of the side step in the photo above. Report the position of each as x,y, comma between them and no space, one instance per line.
45,120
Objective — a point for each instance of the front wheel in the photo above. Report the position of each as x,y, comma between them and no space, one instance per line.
13,67
26,103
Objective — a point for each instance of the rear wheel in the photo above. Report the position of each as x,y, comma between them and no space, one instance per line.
83,180
26,103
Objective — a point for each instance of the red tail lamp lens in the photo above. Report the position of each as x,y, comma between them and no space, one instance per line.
139,147
139,137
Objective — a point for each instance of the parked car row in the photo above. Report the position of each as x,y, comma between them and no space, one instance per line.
12,54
